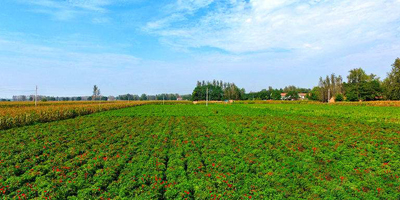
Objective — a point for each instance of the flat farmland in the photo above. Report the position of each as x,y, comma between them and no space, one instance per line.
233,151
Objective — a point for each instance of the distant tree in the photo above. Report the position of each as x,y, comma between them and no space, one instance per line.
289,88
361,86
143,97
96,92
391,84
276,95
186,97
329,87
232,92
339,97
262,95
292,95
314,94
351,96
356,79
215,92
104,98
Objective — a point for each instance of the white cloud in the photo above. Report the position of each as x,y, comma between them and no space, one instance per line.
96,5
265,6
261,25
70,9
191,5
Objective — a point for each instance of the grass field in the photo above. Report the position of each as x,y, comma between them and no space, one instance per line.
237,151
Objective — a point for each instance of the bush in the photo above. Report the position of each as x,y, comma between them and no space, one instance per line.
351,97
339,97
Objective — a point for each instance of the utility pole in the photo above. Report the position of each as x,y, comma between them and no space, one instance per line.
207,98
36,97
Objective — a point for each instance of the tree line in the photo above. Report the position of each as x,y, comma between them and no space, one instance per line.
96,96
220,91
145,97
360,86
217,91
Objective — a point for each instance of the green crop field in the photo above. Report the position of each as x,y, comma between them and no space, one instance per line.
235,151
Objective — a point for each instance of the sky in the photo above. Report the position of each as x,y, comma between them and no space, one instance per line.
146,46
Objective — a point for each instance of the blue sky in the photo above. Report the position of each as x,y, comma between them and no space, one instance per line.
144,46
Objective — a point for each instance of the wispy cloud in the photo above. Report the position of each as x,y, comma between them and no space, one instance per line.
96,5
177,12
260,25
70,9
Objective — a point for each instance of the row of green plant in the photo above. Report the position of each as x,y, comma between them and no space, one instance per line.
25,113
232,151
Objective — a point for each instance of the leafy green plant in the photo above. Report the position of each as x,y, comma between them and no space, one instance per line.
339,97
276,150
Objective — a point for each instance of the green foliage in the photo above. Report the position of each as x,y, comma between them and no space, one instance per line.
351,96
143,97
96,92
392,82
217,91
361,86
314,94
257,151
329,87
292,95
104,98
339,97
276,95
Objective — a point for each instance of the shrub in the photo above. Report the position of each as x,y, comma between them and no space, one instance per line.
339,97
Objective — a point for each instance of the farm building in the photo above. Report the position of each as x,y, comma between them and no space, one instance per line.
302,96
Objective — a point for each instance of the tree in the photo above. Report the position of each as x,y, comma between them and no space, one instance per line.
356,79
96,92
215,91
329,87
292,95
339,97
391,84
276,95
232,92
313,94
143,97
361,86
